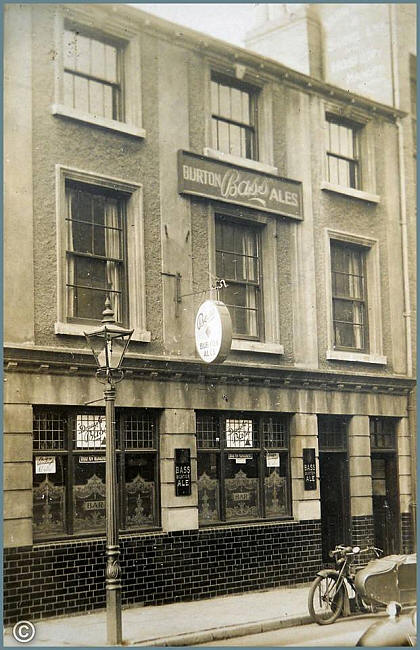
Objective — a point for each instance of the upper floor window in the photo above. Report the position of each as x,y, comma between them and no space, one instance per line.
342,153
95,252
349,296
92,75
238,262
233,113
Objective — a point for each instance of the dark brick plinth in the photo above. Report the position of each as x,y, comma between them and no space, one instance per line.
63,578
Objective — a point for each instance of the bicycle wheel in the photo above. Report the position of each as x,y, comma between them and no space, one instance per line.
325,601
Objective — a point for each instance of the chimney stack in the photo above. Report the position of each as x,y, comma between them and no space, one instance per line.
290,34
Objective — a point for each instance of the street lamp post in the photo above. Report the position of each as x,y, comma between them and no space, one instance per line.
109,344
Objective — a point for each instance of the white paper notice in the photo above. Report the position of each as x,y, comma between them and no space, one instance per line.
273,460
45,465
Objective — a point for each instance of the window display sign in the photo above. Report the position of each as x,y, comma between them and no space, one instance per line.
213,331
273,459
90,431
45,465
202,176
309,469
182,472
240,458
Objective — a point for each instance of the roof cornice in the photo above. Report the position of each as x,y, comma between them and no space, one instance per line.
209,45
38,360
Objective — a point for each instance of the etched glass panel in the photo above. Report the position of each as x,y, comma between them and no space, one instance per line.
90,431
208,488
275,491
242,487
88,494
140,490
239,433
49,506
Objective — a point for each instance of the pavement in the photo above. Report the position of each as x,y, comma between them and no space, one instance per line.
178,624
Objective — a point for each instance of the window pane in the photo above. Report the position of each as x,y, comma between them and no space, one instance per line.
97,58
224,101
81,94
215,134
68,89
49,500
333,170
140,431
275,488
69,50
89,494
239,433
83,57
223,136
207,427
235,140
236,96
242,486
246,117
140,490
208,470
88,303
49,431
334,138
344,172
110,111
111,63
215,98
81,237
90,431
96,98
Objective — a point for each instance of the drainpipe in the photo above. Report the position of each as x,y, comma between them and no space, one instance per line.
404,244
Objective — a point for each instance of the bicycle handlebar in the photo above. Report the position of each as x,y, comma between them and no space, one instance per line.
350,550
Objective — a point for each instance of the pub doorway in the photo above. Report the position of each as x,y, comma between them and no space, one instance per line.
385,495
334,483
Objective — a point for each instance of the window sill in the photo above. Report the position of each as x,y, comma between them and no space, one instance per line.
349,191
357,357
240,345
242,162
102,122
75,329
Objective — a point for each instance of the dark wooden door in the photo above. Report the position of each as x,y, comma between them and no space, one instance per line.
334,501
385,502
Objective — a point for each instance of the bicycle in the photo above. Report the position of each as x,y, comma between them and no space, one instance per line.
329,592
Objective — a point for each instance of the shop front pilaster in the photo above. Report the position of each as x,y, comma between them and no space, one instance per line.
304,435
17,447
360,469
405,484
177,431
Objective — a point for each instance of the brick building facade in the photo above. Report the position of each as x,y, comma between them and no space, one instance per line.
145,162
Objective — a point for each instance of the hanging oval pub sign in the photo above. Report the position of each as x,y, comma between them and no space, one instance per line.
213,331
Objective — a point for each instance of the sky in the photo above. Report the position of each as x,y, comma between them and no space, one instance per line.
227,21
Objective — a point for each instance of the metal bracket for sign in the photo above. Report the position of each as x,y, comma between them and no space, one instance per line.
219,284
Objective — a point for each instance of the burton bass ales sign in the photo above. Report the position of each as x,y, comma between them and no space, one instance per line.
202,176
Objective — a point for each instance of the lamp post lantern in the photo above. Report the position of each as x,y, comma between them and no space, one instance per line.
109,344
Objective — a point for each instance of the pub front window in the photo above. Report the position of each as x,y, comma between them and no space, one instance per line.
69,471
243,467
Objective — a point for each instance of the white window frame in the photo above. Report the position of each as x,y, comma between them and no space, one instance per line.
366,159
135,251
371,247
264,121
105,26
270,304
